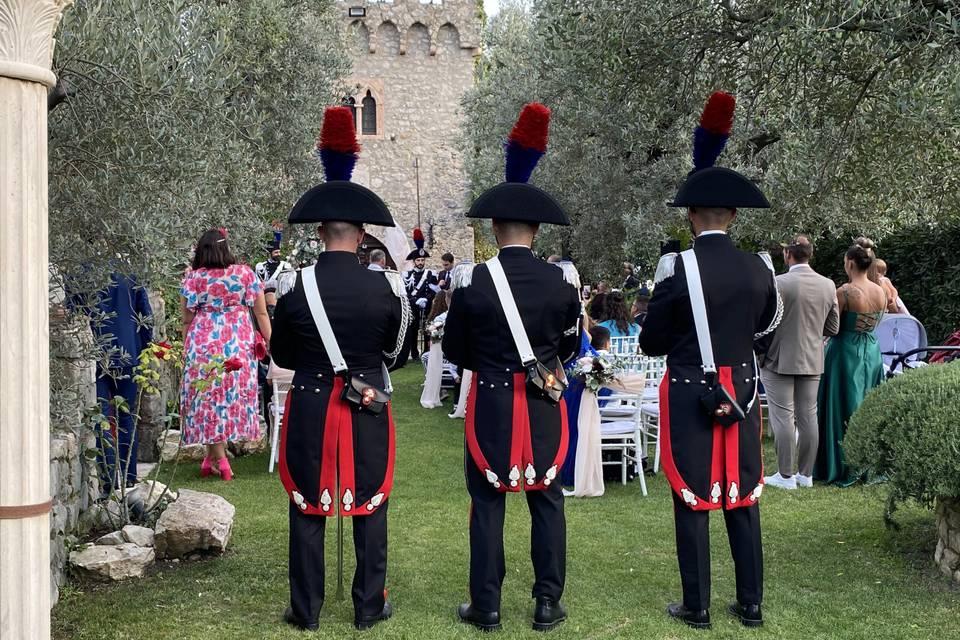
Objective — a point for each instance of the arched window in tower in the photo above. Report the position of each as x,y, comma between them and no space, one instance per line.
369,104
351,102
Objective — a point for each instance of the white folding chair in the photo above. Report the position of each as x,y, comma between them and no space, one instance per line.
623,434
625,346
650,425
280,390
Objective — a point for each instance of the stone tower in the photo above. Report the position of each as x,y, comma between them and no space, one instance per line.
412,62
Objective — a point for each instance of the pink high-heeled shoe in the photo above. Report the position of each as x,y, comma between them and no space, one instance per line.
226,473
205,468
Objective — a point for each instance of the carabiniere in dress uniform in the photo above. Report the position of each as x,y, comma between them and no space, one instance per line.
516,431
710,434
337,437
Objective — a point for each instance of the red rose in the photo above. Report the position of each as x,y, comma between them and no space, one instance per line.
161,349
233,364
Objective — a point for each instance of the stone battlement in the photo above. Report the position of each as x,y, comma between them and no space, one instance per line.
460,16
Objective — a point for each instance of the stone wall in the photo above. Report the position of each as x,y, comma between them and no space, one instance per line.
416,61
947,555
74,483
74,487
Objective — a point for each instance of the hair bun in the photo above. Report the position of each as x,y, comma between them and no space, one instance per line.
866,243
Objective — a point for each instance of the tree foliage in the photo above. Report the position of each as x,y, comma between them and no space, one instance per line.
847,112
174,116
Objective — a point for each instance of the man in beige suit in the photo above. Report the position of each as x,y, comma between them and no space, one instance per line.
794,362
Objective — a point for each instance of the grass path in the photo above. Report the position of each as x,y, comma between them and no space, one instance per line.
832,570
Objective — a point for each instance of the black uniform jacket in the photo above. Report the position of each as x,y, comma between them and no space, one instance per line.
708,465
515,436
417,282
319,427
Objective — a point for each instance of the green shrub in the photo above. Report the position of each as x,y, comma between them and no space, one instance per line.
908,430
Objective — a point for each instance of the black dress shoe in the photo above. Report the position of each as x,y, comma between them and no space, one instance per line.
293,620
483,620
362,624
748,614
696,619
548,614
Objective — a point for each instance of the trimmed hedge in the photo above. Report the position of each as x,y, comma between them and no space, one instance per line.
924,264
908,430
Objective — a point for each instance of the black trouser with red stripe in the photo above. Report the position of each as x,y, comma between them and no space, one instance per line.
693,553
307,566
548,540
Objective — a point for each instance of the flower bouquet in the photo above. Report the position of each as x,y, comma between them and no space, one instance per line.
435,330
597,371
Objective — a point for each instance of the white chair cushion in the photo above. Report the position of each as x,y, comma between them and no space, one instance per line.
618,428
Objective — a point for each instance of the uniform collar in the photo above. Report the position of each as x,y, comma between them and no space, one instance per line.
803,265
711,232
338,257
515,249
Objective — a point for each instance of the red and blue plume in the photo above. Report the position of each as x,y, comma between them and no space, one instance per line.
338,146
527,142
711,136
418,238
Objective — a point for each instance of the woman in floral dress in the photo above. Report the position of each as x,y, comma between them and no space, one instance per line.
218,397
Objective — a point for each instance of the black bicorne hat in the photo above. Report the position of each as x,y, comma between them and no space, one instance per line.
418,253
708,185
338,199
719,187
344,201
514,199
518,201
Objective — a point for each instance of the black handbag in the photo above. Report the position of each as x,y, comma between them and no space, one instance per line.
546,381
721,406
364,395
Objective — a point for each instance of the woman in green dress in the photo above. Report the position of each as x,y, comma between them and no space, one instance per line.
852,365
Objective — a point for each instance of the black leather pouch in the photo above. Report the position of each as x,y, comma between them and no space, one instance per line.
720,406
361,393
546,381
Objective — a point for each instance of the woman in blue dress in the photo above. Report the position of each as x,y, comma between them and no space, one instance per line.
572,397
616,317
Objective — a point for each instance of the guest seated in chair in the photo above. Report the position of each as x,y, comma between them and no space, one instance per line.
600,338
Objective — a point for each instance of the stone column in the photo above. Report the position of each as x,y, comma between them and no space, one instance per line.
26,50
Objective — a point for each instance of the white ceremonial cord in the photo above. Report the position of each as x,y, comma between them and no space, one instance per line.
778,315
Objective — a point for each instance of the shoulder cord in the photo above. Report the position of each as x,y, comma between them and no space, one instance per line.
778,315
405,316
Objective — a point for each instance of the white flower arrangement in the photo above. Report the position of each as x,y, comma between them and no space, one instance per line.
598,371
435,330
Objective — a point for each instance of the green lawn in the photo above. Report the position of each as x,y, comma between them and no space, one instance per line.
832,569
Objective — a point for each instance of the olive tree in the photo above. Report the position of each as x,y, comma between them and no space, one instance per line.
847,112
173,116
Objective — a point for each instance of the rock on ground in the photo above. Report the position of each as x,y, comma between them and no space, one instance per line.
117,562
140,536
249,447
195,522
149,492
111,539
169,443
